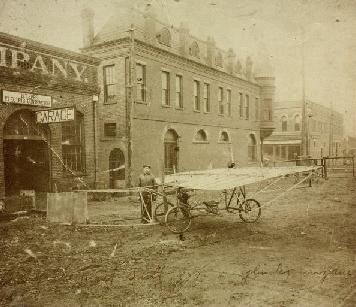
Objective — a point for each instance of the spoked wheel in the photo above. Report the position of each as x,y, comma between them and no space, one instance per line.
161,211
178,219
250,210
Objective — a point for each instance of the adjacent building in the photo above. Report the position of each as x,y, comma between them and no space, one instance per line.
324,131
172,100
47,117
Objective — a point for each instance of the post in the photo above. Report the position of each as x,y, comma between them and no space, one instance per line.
325,169
353,167
129,106
304,127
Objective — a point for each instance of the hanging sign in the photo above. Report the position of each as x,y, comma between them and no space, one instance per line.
26,99
55,115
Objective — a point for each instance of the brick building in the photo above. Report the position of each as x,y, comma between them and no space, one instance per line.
324,130
45,150
193,105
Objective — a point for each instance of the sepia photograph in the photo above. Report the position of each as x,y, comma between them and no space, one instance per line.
177,153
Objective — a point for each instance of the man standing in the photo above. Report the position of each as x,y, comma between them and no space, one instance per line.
147,180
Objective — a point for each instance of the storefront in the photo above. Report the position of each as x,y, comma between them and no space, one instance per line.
47,117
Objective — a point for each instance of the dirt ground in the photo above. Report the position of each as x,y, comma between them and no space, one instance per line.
300,253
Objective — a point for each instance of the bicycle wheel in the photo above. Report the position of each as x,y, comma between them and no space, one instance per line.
160,211
250,210
178,219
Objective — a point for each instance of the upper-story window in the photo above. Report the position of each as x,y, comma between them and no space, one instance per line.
164,37
284,123
241,104
141,82
220,100
257,109
206,97
297,122
196,93
179,91
109,84
201,136
247,107
267,109
165,88
194,50
228,101
219,60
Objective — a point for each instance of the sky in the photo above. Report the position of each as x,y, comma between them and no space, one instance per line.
273,32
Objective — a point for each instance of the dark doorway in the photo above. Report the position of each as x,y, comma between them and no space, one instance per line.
117,168
26,154
26,166
171,151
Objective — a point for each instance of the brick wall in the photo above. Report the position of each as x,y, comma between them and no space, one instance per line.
83,103
151,119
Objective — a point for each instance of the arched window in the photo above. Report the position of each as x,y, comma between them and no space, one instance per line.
224,137
297,123
284,123
23,123
201,136
164,37
219,60
73,144
194,50
116,167
252,148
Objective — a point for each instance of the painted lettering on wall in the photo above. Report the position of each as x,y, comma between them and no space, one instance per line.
44,64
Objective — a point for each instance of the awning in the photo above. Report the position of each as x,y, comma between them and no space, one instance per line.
282,142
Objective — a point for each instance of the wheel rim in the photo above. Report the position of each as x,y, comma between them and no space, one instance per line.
250,210
160,212
178,220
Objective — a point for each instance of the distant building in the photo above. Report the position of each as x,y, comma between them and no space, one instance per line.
350,146
47,135
324,130
194,105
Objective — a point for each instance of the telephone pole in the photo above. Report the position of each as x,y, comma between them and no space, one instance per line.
129,104
331,130
304,136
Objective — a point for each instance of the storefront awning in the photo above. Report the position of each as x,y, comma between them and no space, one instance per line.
282,142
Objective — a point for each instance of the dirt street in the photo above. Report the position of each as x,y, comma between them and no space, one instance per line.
300,253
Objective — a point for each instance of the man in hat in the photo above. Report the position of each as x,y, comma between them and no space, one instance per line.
147,180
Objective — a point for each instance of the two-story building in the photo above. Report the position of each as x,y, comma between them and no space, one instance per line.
47,117
324,131
172,100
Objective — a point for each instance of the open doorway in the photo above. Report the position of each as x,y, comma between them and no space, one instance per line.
26,154
117,168
171,151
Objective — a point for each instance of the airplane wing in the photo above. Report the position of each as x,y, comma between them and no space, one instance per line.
229,178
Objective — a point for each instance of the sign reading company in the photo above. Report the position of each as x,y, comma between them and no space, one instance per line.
44,64
26,99
55,115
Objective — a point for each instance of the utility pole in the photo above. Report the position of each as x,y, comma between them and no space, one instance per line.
304,137
331,130
129,105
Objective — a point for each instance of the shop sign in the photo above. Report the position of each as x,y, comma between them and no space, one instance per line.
55,115
26,99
